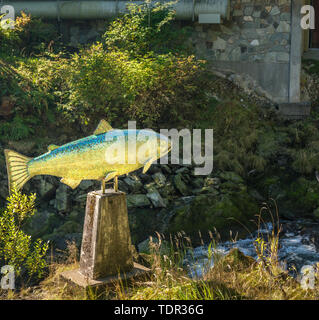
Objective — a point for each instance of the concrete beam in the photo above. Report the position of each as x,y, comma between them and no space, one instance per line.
295,51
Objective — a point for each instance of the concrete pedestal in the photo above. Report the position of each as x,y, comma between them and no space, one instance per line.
106,254
106,242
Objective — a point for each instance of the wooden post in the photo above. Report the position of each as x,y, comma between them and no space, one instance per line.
106,254
106,241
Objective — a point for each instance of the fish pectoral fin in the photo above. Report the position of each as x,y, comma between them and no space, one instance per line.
52,147
103,127
110,175
148,164
71,182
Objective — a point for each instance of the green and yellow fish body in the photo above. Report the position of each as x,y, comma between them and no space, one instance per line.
104,155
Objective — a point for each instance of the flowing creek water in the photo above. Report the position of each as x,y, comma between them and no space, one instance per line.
298,246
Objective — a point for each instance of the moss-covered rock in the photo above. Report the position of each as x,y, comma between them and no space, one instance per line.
235,260
180,185
223,212
137,201
307,193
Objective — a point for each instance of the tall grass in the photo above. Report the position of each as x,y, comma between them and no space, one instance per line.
234,276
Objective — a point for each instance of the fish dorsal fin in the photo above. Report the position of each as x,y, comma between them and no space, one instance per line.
148,164
52,147
103,127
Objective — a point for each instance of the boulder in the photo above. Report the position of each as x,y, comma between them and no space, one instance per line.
137,201
167,191
205,212
123,186
134,183
159,179
180,185
145,178
154,196
86,184
46,189
62,198
182,170
154,169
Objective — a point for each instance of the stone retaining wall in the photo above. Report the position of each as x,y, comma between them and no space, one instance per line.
254,42
258,31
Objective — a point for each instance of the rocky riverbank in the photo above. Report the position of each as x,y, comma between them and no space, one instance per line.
171,198
168,199
298,246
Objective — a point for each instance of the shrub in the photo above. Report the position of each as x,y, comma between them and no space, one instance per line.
34,86
44,82
28,36
154,89
16,129
148,27
141,75
16,247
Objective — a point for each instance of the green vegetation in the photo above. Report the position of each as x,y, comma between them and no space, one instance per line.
144,69
139,76
147,28
233,276
16,247
29,36
128,76
150,90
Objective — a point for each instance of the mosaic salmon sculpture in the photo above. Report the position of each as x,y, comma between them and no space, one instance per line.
89,158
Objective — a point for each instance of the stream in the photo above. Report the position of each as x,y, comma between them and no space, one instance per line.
298,247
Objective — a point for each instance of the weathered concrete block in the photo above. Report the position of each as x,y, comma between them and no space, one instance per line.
78,281
106,242
296,110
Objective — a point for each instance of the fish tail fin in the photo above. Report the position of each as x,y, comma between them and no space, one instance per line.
17,169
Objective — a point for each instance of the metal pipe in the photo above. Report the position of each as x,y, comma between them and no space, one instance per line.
185,9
